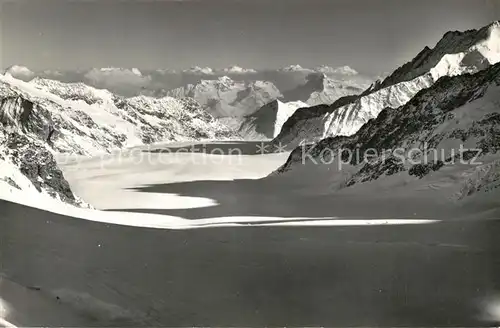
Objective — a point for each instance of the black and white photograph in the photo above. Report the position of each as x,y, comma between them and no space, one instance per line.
249,163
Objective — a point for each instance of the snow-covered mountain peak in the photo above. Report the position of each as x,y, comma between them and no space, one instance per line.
491,47
87,120
293,68
453,125
224,97
222,83
455,54
238,70
75,91
482,42
136,71
483,52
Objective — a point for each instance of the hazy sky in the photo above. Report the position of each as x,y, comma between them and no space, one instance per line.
372,36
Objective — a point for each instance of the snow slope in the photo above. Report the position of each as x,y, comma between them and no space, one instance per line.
77,268
227,98
266,123
457,53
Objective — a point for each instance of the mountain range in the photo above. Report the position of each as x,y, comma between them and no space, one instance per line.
430,131
227,98
442,145
133,81
43,118
456,53
392,186
438,98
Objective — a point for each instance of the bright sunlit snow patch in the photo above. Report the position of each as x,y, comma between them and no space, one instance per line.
285,110
6,324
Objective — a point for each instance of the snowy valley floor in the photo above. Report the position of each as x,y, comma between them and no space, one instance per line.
370,270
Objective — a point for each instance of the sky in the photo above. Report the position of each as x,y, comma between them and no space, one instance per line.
372,36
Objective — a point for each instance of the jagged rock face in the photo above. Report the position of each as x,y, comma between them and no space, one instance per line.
37,163
454,122
457,53
23,116
267,122
227,98
26,161
176,119
17,111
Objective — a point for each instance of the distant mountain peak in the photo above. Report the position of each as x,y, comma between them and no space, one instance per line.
457,53
238,70
224,97
293,68
342,70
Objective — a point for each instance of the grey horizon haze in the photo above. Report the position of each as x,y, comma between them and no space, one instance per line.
372,36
